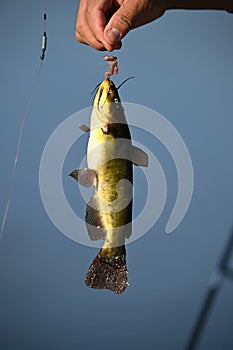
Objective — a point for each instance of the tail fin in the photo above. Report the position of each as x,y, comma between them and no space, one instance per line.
108,270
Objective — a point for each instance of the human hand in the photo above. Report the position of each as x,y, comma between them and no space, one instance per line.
103,24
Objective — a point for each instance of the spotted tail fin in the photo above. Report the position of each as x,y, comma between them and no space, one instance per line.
108,270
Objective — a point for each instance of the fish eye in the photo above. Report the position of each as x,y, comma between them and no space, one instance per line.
116,100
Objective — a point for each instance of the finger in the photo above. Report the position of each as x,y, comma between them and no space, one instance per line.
89,31
88,38
119,25
97,22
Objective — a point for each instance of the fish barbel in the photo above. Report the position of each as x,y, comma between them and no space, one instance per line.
110,158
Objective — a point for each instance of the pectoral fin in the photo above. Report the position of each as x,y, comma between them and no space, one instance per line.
84,128
86,177
139,157
93,220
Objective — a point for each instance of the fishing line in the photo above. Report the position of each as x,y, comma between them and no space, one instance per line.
25,115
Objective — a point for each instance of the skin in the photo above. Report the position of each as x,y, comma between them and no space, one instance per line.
102,24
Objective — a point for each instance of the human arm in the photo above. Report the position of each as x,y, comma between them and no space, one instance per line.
226,5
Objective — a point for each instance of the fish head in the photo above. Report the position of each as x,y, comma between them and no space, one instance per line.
107,93
107,104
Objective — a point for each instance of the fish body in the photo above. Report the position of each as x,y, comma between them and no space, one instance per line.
110,158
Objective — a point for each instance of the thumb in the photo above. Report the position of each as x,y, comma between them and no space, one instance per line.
119,25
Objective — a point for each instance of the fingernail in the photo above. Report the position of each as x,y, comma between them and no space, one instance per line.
118,45
114,35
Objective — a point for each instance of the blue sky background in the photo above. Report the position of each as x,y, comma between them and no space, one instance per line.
183,69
